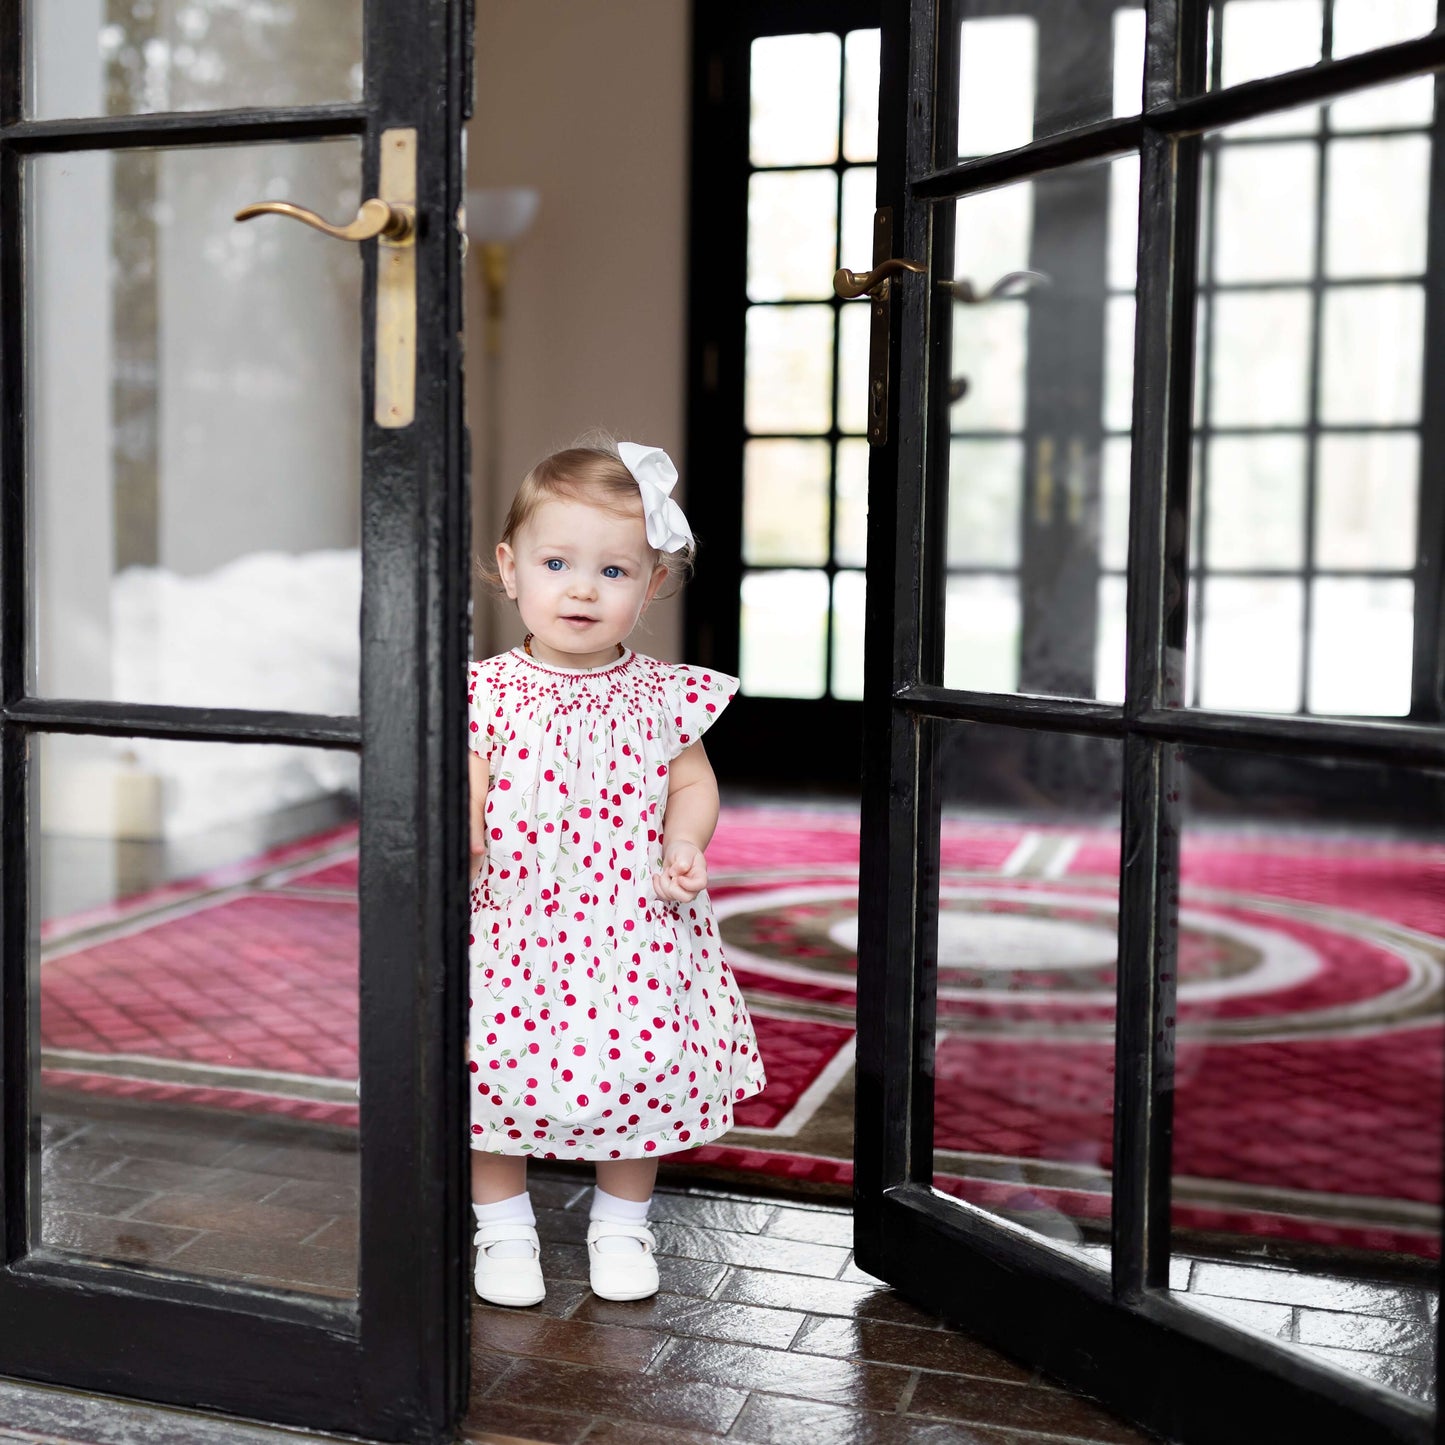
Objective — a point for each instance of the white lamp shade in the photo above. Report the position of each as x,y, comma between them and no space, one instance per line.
500,214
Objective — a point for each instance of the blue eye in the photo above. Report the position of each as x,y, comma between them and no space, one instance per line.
612,572
555,564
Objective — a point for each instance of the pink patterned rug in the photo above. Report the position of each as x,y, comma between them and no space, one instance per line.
1308,1066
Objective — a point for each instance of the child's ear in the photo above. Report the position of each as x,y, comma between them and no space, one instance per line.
659,574
507,569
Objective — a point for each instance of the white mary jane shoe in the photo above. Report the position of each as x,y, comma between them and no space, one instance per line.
624,1274
515,1281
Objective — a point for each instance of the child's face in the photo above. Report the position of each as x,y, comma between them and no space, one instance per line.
580,576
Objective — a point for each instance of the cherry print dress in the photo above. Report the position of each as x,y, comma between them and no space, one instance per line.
604,1023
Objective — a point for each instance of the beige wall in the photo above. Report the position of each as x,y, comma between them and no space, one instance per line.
588,103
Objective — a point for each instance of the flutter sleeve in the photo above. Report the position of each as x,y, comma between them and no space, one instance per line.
693,697
479,712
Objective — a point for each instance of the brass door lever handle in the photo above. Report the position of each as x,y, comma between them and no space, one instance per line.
394,223
851,284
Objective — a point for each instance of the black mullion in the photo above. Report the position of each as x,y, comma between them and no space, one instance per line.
145,720
1226,288
183,128
1427,684
1312,417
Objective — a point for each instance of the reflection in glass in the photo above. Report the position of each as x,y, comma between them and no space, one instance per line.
133,57
1256,502
794,95
860,96
196,928
196,398
1028,859
985,493
1365,512
990,349
1361,646
993,236
850,525
996,78
1253,631
785,502
1373,344
1307,1114
981,634
850,592
789,384
792,235
784,623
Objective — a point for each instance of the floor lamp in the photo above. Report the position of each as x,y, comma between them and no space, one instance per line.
496,220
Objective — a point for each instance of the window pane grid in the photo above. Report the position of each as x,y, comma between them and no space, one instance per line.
841,62
1319,284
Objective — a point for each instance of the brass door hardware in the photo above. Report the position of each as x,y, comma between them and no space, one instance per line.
852,284
877,286
390,220
375,218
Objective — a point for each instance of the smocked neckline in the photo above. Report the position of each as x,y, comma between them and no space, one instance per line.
621,662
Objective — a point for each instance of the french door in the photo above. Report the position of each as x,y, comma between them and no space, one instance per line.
233,624
1097,932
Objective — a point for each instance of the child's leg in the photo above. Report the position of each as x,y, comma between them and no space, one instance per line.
499,1176
627,1178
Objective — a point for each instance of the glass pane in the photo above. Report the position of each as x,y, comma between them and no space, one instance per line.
792,235
1368,24
196,956
1109,654
1028,865
1255,502
1252,644
1022,78
1269,37
1366,500
1389,107
1362,642
985,495
130,57
1376,220
1311,920
853,338
850,591
784,623
1374,339
1062,355
1259,359
981,634
196,398
1265,212
990,349
1114,501
785,502
1123,221
794,95
860,192
996,77
789,385
850,527
860,96
995,239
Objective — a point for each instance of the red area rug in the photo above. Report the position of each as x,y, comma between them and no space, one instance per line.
1309,1052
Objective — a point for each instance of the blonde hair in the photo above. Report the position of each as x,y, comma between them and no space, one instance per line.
590,471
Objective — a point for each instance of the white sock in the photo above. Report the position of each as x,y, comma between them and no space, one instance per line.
516,1210
618,1211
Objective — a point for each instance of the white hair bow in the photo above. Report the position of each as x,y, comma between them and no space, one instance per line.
667,528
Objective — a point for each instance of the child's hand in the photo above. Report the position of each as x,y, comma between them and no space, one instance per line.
479,776
683,875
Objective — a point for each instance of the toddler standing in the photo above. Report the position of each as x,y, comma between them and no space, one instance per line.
605,1024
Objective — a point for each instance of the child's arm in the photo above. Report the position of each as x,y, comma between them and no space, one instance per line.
687,826
479,776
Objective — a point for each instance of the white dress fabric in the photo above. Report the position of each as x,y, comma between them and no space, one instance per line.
604,1021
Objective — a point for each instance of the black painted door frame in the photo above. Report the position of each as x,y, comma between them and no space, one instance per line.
1118,1334
391,1364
